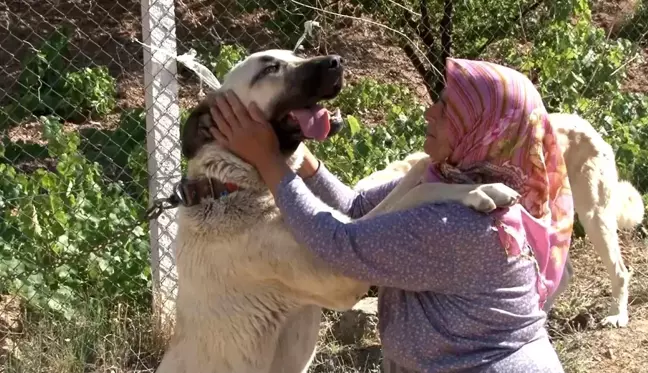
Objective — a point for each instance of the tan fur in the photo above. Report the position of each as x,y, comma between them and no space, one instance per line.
603,202
392,171
249,296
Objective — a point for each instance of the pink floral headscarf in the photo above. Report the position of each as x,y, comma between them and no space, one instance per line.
500,132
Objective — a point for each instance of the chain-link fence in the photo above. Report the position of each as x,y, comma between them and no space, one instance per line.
84,149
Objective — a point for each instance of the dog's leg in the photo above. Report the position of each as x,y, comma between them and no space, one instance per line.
392,171
409,181
601,228
296,345
481,197
488,197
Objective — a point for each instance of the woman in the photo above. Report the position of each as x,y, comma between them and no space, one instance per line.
460,291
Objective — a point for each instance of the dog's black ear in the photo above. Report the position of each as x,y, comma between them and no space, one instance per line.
195,133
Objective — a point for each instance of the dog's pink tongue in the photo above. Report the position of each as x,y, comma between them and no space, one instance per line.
314,122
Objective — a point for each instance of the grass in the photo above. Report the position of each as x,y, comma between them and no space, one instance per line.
119,341
127,341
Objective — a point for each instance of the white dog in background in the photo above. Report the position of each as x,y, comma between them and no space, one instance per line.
602,201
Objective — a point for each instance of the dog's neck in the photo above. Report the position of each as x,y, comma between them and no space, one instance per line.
191,192
222,167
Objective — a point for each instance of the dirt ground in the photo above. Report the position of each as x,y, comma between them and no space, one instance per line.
584,345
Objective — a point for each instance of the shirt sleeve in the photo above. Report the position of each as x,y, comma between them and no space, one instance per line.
432,247
341,197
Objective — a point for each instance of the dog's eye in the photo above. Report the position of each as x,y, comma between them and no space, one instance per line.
270,69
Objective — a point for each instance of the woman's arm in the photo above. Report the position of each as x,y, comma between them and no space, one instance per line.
428,248
432,247
336,194
352,203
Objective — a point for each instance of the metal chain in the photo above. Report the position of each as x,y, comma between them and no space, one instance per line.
159,205
171,202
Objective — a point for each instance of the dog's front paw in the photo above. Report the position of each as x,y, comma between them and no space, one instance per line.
501,195
479,200
619,320
488,197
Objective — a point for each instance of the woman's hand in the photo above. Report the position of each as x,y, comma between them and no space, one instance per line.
244,132
310,165
247,134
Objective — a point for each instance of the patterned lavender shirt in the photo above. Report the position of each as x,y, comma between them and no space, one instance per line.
450,299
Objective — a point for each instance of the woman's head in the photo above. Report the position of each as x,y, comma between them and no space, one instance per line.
482,104
490,125
436,135
496,129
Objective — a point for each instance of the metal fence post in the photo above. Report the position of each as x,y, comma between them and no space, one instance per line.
163,144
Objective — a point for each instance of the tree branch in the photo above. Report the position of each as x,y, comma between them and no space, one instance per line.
445,29
425,27
411,52
425,73
435,56
501,31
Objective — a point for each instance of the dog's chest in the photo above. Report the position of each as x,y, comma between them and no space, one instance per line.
221,252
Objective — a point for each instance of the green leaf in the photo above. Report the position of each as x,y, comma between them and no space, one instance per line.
354,125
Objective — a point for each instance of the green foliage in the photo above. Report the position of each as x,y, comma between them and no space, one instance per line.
219,60
286,19
475,26
68,236
367,97
358,149
122,152
48,86
576,61
581,70
119,151
90,91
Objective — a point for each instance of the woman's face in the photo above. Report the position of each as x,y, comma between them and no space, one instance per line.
436,144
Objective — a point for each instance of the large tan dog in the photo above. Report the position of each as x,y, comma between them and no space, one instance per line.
249,296
603,202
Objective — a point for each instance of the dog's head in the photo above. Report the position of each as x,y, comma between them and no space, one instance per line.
287,89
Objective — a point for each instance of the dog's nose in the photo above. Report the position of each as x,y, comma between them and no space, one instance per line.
335,62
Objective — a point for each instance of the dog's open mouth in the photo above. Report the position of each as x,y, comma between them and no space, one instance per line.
316,121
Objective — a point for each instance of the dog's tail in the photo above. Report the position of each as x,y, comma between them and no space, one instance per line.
631,206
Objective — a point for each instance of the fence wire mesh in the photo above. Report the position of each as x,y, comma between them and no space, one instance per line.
75,253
